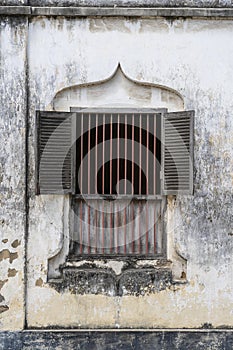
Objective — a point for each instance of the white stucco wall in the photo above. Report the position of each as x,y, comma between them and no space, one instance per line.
12,171
193,57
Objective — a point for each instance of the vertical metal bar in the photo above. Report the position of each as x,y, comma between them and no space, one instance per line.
125,174
110,227
125,232
103,226
147,155
81,164
88,154
147,227
92,224
154,154
96,230
81,227
89,228
149,237
139,227
96,152
103,154
117,227
155,221
132,155
118,151
132,224
111,154
140,154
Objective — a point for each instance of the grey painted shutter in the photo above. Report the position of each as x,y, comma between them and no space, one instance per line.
54,152
177,153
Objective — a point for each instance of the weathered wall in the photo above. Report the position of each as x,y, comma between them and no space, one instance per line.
193,57
190,56
13,42
124,3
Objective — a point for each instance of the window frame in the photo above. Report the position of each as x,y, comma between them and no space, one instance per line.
111,110
161,197
158,197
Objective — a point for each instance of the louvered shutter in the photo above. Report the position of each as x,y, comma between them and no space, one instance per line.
177,153
54,152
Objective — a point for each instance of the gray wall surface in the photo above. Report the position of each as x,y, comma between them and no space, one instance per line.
124,3
40,57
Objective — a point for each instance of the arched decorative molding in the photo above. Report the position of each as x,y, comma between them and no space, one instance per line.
118,90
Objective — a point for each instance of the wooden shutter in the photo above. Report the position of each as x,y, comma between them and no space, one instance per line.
177,153
54,152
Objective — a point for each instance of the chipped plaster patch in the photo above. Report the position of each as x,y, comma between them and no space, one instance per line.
3,308
12,272
16,243
39,282
115,265
6,254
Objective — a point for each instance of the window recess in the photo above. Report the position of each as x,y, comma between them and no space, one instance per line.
114,154
118,165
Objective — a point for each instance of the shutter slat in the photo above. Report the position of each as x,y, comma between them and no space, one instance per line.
177,153
54,152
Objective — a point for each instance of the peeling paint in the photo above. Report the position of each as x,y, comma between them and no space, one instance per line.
16,243
12,272
39,282
12,166
3,308
6,254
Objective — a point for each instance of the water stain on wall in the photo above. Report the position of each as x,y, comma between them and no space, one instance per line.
6,254
16,243
12,272
39,282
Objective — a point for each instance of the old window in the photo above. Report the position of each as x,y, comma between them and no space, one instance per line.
118,165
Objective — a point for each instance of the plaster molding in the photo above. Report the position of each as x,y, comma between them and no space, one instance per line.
117,90
140,12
